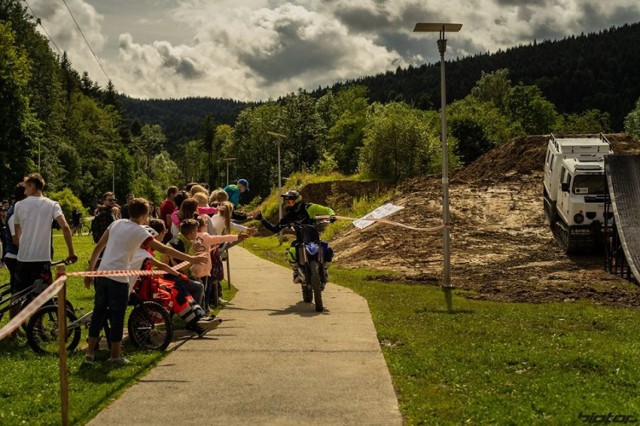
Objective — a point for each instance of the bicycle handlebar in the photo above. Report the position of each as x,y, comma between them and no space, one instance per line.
65,261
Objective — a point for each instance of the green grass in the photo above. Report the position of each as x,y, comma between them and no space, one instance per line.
29,383
491,362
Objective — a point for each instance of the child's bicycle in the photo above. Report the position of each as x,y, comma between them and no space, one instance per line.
25,296
149,327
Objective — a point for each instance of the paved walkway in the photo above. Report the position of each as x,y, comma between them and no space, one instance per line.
273,361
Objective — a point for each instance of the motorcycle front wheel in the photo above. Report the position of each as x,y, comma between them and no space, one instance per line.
307,293
316,284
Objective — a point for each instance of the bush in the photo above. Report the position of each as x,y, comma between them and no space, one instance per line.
68,201
632,122
144,187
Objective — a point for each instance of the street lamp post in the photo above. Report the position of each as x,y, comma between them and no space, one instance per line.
113,177
441,28
279,137
228,160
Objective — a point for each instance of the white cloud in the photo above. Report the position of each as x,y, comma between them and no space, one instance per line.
248,53
160,70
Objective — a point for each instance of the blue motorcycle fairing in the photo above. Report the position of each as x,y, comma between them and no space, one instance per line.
312,248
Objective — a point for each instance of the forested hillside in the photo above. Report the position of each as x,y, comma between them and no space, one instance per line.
181,119
90,139
595,71
52,119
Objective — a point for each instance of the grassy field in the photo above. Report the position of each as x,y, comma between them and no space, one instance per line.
29,383
496,363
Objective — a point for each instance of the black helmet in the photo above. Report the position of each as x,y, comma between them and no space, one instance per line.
292,195
291,198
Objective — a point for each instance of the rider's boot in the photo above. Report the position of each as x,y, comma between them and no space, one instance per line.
296,274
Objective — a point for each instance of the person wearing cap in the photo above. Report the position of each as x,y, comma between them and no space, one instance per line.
239,194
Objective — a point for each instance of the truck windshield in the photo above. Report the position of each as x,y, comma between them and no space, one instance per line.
588,184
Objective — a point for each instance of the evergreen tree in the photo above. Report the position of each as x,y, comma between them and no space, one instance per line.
19,128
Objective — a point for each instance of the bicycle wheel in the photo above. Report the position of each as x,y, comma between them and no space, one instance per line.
150,326
85,230
42,331
67,304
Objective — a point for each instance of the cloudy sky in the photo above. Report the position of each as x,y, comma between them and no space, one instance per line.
256,49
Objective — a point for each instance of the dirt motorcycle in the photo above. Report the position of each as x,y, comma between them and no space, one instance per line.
312,256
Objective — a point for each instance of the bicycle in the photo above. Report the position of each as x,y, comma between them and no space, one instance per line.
25,296
149,326
81,229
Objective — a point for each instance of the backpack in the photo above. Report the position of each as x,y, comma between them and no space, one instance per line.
7,238
217,268
99,224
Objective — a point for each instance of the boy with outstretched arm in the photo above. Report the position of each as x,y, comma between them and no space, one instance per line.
120,241
171,293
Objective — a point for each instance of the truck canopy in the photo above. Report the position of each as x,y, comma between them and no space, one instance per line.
581,145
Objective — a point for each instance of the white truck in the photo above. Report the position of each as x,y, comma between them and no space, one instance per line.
574,190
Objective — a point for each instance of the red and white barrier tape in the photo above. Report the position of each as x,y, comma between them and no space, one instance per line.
55,287
124,272
32,307
386,222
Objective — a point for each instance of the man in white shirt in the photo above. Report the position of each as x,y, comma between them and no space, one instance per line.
33,217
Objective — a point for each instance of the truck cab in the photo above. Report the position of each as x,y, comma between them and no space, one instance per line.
581,192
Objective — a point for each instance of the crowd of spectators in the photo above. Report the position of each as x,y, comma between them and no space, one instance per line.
192,224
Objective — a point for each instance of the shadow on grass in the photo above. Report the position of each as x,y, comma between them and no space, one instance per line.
16,347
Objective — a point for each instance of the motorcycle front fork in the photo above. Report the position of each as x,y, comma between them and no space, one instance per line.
301,268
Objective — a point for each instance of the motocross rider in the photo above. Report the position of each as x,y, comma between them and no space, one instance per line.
303,213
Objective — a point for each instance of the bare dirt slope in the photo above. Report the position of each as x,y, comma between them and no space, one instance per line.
502,248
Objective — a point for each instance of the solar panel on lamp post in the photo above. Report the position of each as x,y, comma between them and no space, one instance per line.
441,28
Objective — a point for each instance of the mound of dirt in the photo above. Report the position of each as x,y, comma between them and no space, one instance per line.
501,247
520,156
342,191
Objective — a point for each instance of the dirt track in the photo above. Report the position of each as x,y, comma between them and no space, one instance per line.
502,248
